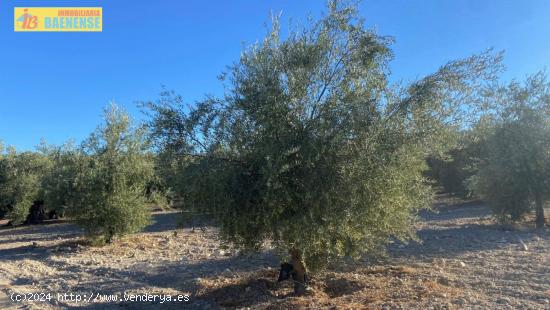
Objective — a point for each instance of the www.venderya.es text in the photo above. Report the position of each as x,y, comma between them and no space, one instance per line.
93,297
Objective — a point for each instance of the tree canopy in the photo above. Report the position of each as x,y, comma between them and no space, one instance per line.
111,180
311,147
514,166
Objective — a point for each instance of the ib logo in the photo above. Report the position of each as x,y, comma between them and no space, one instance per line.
27,21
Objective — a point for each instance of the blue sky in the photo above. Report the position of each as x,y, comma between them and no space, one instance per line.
54,85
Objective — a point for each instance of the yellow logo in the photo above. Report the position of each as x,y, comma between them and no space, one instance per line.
58,19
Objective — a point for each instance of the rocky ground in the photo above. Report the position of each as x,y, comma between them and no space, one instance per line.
464,260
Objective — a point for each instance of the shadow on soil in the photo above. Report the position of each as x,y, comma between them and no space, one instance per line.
61,229
465,227
183,277
436,241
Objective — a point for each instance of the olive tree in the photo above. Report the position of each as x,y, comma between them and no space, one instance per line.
59,182
514,172
111,178
311,148
454,170
4,203
20,178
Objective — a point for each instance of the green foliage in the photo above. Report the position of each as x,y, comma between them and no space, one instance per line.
106,184
111,179
455,169
311,148
20,179
158,199
58,183
514,173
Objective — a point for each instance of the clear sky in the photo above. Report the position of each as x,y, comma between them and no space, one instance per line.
54,85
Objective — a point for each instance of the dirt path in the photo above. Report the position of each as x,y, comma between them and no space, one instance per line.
464,261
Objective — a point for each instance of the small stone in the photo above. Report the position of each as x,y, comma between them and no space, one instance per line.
462,264
545,301
460,301
503,301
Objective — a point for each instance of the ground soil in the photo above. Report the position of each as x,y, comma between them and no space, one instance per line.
463,260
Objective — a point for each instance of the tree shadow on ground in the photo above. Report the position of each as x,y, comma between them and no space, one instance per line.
181,276
449,212
33,236
247,293
42,237
337,287
60,226
163,221
53,229
463,228
169,220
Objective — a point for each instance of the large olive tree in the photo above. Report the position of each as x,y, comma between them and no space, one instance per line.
311,148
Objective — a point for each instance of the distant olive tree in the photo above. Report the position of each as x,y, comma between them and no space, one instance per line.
514,173
111,178
453,171
311,148
59,182
20,179
4,200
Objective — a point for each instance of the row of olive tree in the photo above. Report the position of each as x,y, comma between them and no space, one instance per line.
20,180
505,158
102,184
513,169
311,147
451,171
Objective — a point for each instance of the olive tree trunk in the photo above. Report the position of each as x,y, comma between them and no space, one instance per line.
539,222
300,272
